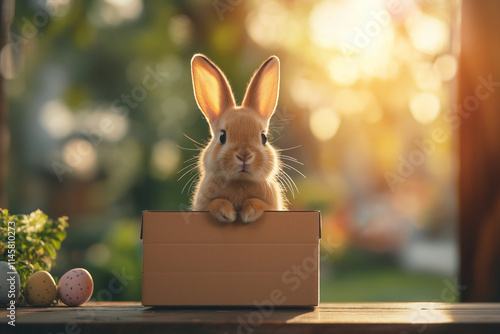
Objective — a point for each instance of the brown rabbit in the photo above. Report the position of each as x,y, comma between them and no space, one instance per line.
239,167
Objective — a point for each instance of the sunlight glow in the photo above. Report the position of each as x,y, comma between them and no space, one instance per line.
348,101
343,71
425,107
432,311
304,93
347,24
428,34
447,66
324,123
427,76
372,111
328,27
267,24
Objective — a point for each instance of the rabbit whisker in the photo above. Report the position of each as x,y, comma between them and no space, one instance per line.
288,149
189,171
189,149
273,140
294,169
192,177
195,157
286,180
200,145
291,159
292,182
192,183
192,164
282,183
288,156
285,174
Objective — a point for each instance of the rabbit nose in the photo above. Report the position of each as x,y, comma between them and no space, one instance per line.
244,156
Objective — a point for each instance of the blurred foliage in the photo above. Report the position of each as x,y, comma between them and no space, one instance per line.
359,276
35,239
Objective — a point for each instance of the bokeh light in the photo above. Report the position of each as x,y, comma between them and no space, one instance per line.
447,65
324,123
98,254
181,30
105,124
114,12
348,101
343,71
344,24
428,34
425,107
165,159
81,156
427,77
267,24
56,119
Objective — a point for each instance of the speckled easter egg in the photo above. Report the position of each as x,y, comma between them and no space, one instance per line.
75,287
40,289
9,283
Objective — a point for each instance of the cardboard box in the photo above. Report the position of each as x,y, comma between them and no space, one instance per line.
191,259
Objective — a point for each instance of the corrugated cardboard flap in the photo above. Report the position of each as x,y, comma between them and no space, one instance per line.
188,217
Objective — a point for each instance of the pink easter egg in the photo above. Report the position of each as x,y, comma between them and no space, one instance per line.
75,287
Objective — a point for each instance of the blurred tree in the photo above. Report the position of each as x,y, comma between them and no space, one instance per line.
6,16
478,103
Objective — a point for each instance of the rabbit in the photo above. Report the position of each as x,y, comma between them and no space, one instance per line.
238,168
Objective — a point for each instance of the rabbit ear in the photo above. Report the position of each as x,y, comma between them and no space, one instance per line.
262,92
211,89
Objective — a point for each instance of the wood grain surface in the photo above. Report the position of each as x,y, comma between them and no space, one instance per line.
131,317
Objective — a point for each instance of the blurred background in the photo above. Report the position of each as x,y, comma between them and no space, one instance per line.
102,113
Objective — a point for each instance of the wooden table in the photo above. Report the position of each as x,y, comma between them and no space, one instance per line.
131,317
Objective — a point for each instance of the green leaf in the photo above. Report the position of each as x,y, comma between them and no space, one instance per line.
37,240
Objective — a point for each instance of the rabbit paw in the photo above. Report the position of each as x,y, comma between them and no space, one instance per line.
252,209
222,210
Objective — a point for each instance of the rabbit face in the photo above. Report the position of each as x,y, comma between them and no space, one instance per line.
239,149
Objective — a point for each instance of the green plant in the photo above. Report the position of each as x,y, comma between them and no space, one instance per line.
37,240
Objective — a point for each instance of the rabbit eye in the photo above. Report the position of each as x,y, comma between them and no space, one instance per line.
222,137
264,138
